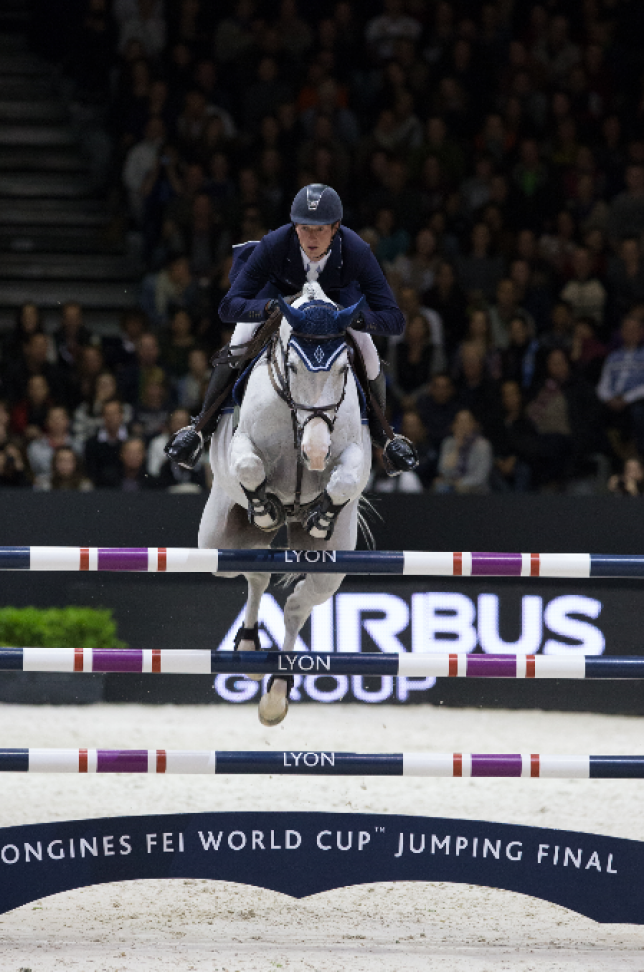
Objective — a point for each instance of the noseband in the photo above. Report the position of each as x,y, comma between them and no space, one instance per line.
281,383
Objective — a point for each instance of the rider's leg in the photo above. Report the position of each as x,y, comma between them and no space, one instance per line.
399,453
187,444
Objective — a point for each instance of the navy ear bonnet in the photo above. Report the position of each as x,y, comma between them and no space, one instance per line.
319,330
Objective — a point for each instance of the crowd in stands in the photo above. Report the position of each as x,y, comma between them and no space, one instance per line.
490,153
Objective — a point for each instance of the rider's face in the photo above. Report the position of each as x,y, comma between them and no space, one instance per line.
315,240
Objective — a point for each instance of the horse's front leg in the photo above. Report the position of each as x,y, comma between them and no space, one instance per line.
264,509
314,589
345,484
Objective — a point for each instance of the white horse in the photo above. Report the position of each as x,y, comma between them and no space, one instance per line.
301,454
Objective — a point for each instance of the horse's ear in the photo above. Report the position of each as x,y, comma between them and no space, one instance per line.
345,318
293,315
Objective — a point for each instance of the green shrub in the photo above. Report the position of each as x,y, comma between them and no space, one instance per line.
69,627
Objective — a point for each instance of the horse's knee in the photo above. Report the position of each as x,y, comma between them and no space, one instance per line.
249,470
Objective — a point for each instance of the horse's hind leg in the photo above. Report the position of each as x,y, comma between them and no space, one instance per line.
314,589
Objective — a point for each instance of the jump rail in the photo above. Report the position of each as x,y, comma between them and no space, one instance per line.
304,763
409,664
411,563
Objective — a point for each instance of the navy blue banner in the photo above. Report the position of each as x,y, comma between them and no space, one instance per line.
300,854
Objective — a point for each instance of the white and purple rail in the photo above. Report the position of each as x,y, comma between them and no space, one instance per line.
408,664
309,763
411,563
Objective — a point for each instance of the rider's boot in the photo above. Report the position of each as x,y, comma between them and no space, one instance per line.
186,445
398,454
273,706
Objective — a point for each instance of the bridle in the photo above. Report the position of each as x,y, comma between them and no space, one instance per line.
281,382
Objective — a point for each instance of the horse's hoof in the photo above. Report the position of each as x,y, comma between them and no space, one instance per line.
273,706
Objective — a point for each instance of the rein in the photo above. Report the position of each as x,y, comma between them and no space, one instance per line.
280,381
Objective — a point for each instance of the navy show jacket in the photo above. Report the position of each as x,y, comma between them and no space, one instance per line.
274,266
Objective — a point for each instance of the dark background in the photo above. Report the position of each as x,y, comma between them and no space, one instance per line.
196,610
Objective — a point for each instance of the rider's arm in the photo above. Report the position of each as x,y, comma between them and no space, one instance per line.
382,314
242,303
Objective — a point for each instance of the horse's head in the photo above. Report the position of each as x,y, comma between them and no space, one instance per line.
316,368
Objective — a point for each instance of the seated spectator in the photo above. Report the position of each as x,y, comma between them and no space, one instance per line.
14,467
393,240
437,408
177,479
519,360
88,417
151,415
557,248
412,360
191,387
121,351
514,443
409,303
82,384
585,293
133,475
34,361
141,162
631,481
503,311
417,269
621,387
479,333
67,472
177,345
465,460
480,272
626,216
587,352
146,24
5,420
71,335
625,280
532,289
477,392
28,322
103,450
565,413
169,289
28,416
156,456
146,368
448,300
41,450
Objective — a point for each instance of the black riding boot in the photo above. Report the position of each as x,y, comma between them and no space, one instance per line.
399,454
186,445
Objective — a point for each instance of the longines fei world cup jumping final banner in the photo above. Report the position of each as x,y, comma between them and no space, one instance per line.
301,854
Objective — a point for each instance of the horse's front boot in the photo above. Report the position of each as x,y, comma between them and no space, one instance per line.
265,510
274,705
321,517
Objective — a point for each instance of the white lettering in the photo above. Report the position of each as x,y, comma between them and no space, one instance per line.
319,840
231,842
274,846
556,857
518,855
181,843
420,849
461,844
151,840
383,630
91,848
55,856
124,841
494,849
475,845
557,616
311,759
363,839
215,841
576,860
339,840
35,851
9,848
400,846
290,838
333,695
443,622
593,861
257,838
329,555
440,844
328,758
542,852
108,849
167,844
488,626
609,866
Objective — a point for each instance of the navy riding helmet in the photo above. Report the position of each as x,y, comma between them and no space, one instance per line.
316,205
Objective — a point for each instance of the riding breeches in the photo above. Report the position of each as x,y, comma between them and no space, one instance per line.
244,331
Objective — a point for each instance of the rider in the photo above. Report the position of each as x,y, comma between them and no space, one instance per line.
314,246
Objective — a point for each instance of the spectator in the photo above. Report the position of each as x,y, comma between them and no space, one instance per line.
88,417
392,25
71,335
134,378
178,344
151,415
191,387
121,351
14,467
625,279
480,272
35,361
465,460
477,392
585,293
515,444
140,162
133,476
621,387
103,450
519,360
412,360
437,408
28,322
41,450
631,481
418,269
170,289
503,311
448,300
626,216
67,472
409,303
479,333
29,415
146,25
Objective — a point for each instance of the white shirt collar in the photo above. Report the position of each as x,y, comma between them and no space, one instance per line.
313,268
